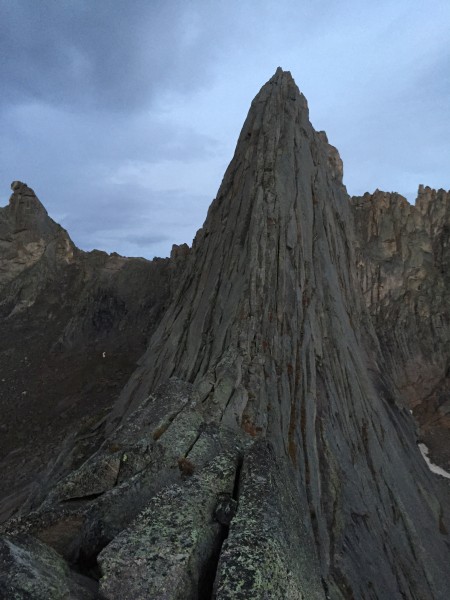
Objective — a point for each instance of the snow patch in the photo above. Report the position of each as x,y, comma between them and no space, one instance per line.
434,468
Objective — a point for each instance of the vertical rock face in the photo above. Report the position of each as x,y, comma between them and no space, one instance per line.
403,258
261,449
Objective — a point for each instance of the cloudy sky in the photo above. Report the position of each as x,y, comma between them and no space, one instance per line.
124,115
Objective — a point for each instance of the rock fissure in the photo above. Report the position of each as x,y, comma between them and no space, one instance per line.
224,512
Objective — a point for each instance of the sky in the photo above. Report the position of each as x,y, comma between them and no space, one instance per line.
123,116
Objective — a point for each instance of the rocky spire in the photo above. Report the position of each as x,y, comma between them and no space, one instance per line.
28,234
260,450
259,230
271,329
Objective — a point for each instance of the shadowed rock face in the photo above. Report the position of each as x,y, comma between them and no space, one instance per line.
73,325
261,448
403,258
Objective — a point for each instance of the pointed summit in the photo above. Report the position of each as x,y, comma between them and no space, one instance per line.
279,75
259,450
25,207
27,234
261,226
269,327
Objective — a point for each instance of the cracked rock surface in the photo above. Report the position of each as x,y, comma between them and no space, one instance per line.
262,447
403,266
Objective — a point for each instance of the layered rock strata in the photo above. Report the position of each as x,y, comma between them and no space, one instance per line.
261,448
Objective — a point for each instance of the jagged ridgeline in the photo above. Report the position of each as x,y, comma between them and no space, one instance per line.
264,447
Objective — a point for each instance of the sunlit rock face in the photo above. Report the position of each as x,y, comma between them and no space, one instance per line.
261,449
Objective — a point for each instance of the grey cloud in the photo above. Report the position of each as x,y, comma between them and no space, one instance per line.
123,115
70,160
144,224
147,239
107,55
75,137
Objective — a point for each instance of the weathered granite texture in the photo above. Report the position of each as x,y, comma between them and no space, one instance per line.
32,571
403,265
261,449
270,327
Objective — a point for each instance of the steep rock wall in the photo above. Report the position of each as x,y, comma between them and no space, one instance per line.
402,262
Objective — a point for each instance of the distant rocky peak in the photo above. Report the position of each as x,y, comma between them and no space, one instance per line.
25,215
23,200
434,203
22,188
27,233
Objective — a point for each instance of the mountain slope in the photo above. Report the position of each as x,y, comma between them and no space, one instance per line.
73,325
260,449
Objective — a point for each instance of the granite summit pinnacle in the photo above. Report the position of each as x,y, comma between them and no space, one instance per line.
262,448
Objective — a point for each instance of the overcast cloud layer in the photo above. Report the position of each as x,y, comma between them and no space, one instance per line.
124,115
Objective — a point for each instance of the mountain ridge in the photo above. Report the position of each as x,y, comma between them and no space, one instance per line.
265,393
